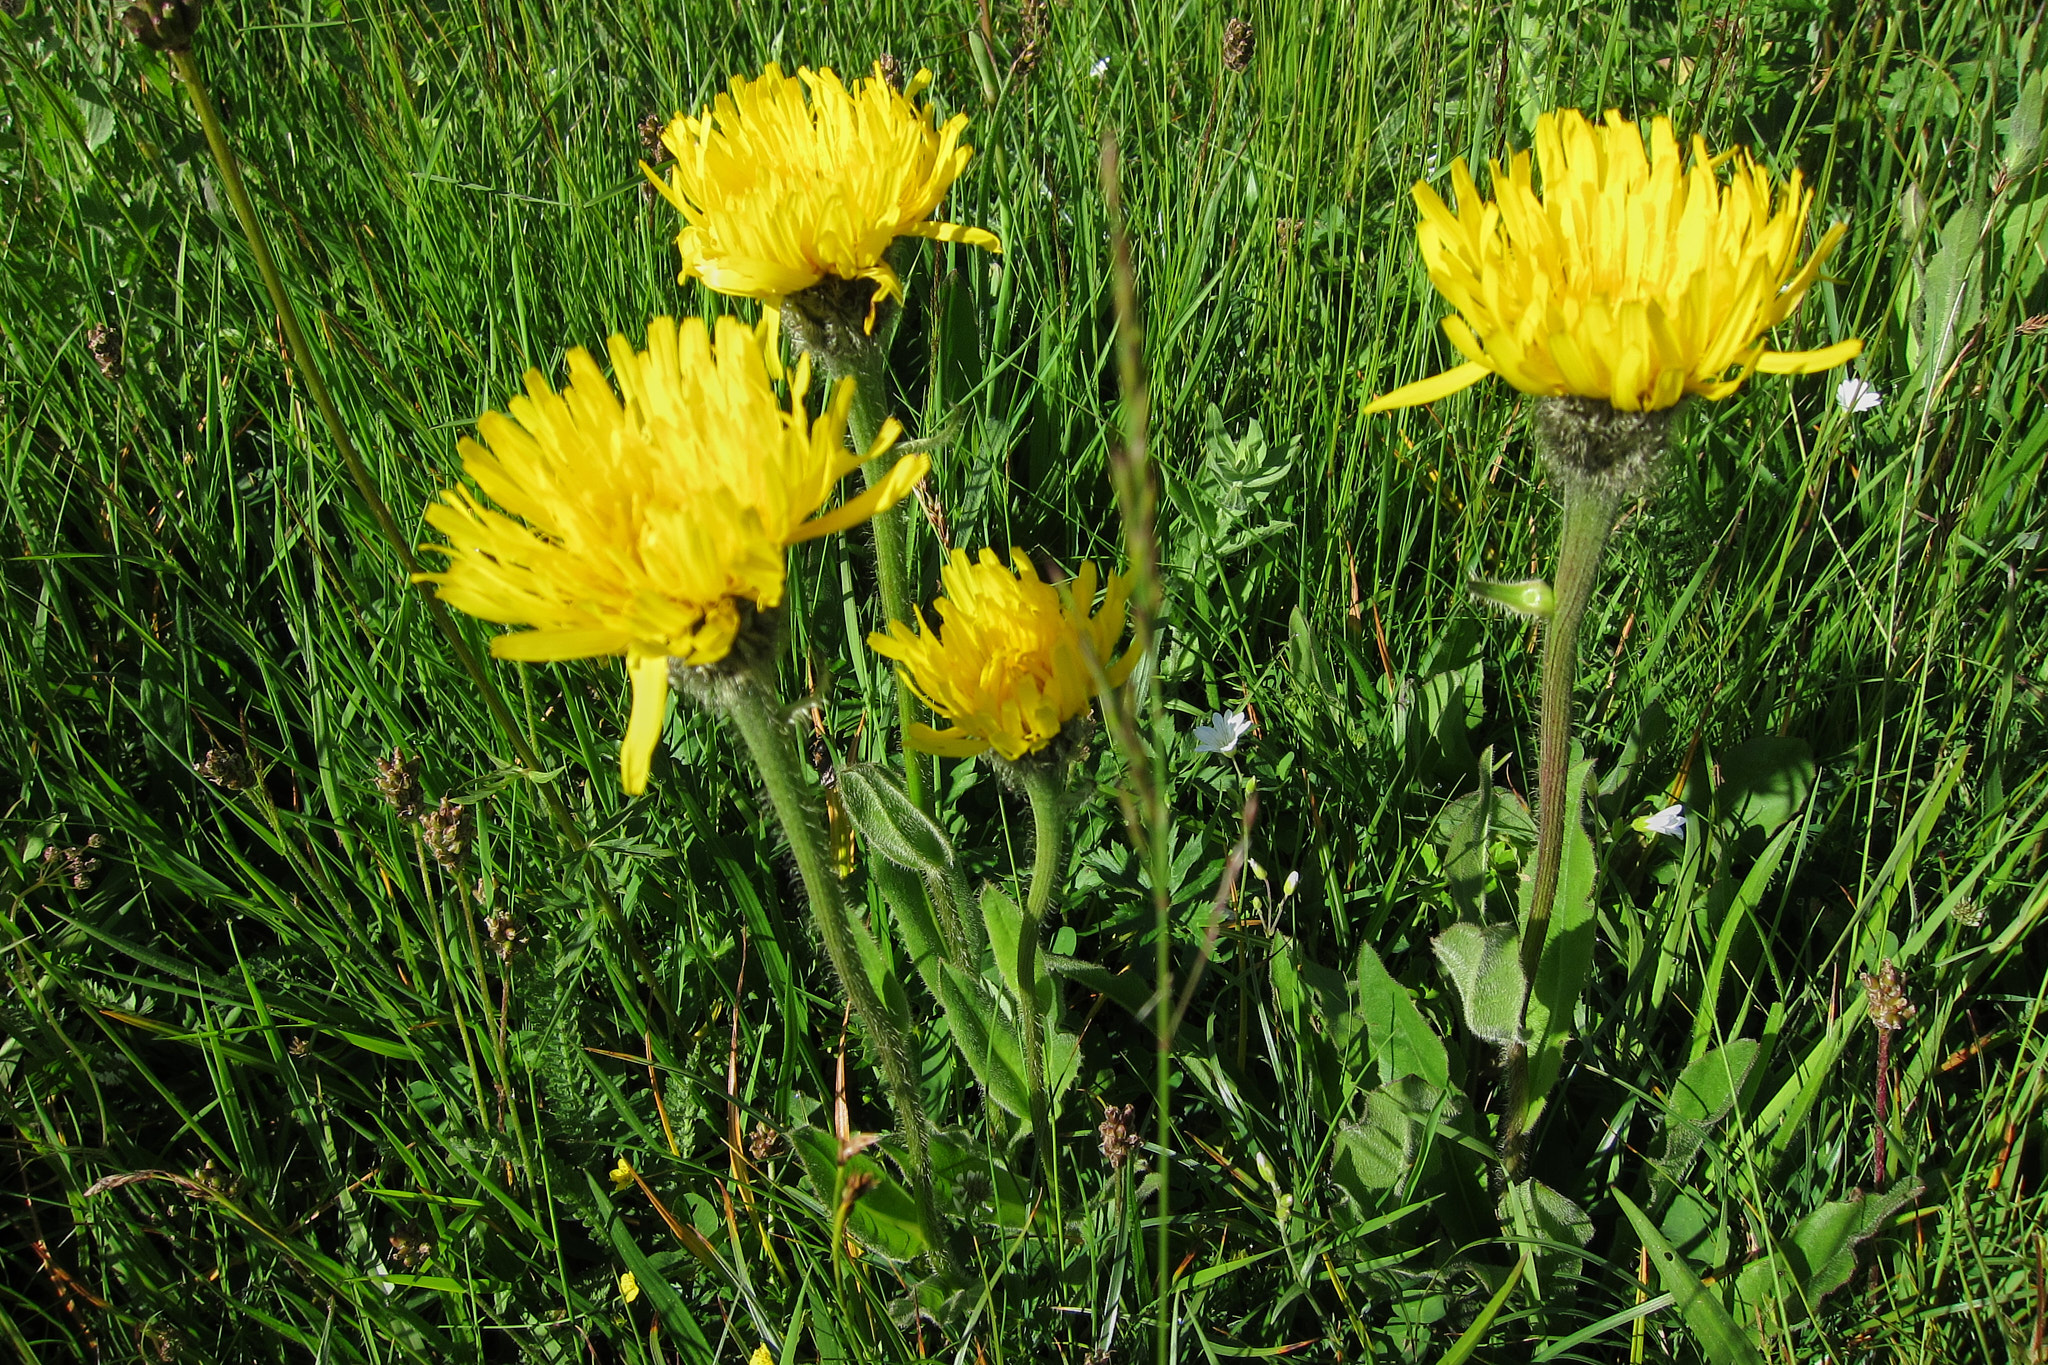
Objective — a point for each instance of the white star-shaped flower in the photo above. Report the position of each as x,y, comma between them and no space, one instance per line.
1100,69
1670,820
1221,734
1857,395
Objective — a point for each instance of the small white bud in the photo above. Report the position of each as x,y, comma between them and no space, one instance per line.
1669,821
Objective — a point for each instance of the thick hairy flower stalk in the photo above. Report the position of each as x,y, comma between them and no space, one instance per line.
1010,661
786,180
653,520
1635,277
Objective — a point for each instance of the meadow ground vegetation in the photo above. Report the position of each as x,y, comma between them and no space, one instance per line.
869,680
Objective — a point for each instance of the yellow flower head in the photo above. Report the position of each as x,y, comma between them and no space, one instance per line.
1633,279
1009,663
629,1286
621,1175
779,191
639,527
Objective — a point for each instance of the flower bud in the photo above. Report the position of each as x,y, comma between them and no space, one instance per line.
1523,597
1912,213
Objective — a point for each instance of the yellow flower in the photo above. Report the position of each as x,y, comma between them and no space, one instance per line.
762,1356
1633,279
622,1174
778,192
1009,663
629,1286
640,527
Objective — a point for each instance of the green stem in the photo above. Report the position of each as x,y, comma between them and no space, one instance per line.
869,371
1048,867
759,720
308,362
1589,513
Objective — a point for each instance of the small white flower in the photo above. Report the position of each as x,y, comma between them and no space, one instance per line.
1293,880
1221,734
1100,69
1670,820
1857,395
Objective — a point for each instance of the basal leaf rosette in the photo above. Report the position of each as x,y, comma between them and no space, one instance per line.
1013,658
1636,275
650,520
784,180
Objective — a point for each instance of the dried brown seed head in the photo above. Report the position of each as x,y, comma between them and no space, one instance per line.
1238,40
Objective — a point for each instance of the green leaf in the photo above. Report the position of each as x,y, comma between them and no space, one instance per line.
2023,129
1005,923
1062,1063
1466,827
1700,1098
910,913
881,971
1533,1209
1951,294
668,1304
1764,781
1567,946
960,1157
1820,1254
891,822
1484,966
1723,1341
884,1216
1401,1040
1128,990
1379,1151
985,1039
1706,1090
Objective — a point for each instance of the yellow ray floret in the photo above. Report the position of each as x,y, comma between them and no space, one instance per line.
1632,278
1014,657
778,190
637,521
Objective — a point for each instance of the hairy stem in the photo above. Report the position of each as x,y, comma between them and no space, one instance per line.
1588,518
829,322
1042,785
759,720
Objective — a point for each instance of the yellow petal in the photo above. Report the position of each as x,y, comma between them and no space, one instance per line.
551,646
661,183
649,673
1810,362
769,333
950,743
1430,389
886,492
954,232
